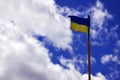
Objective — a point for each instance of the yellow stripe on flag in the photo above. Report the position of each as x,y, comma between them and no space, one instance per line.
79,28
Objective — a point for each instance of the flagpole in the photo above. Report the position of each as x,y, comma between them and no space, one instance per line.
89,63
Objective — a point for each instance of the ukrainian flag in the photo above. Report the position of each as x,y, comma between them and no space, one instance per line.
80,24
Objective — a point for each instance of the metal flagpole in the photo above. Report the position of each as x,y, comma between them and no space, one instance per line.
89,63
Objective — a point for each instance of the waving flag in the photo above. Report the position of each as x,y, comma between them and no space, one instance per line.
80,24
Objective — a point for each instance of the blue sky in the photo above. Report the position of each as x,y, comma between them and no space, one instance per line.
107,48
37,43
79,43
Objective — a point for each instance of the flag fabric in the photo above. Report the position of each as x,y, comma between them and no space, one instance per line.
80,24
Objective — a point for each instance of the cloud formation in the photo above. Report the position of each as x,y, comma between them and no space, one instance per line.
108,58
22,56
99,18
99,15
38,17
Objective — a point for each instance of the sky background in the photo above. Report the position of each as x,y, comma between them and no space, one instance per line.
36,42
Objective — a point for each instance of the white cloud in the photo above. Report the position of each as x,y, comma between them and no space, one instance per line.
99,15
108,58
79,59
71,62
112,57
68,11
75,60
39,17
99,18
98,76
